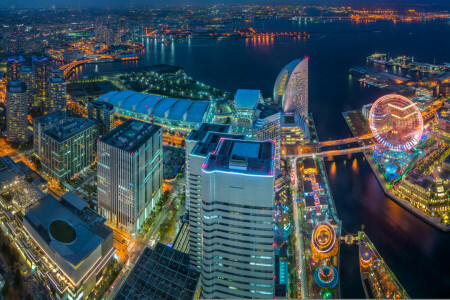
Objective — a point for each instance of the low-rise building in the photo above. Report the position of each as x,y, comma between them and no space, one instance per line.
78,246
170,113
20,186
161,273
443,119
245,102
417,188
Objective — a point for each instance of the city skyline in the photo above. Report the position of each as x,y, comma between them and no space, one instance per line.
130,3
239,151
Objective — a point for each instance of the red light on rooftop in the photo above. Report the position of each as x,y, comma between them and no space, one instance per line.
306,57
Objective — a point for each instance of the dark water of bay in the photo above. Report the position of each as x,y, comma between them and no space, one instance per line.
416,252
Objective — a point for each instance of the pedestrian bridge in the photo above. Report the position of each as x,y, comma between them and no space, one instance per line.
334,152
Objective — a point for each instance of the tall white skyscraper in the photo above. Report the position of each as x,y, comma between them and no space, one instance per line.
199,144
237,220
129,173
291,88
16,111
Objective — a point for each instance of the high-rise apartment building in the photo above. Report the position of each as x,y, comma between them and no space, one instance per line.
41,75
291,88
16,111
27,76
68,148
237,221
107,35
129,173
13,65
103,114
57,93
45,122
199,144
267,126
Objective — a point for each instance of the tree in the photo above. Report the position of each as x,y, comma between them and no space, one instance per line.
29,297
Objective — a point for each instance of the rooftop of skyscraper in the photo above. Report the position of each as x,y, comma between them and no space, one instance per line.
52,117
250,157
130,135
57,79
70,128
101,104
210,141
16,86
200,133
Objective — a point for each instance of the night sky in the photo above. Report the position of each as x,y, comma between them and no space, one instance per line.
126,3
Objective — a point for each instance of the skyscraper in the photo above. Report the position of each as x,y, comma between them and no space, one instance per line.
291,88
57,93
238,223
103,114
44,122
42,75
13,65
16,111
199,144
129,173
68,148
27,76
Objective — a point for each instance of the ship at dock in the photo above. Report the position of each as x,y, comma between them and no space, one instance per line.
377,279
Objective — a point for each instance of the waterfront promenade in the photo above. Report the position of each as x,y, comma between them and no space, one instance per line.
402,202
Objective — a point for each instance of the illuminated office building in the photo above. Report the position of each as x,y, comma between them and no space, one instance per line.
16,111
68,148
129,173
44,122
199,144
237,219
291,88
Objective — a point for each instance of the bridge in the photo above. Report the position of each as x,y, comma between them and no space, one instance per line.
345,141
334,152
70,66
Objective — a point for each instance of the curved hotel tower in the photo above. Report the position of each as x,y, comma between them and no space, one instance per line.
291,88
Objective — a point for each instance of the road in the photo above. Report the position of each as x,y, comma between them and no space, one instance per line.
299,241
